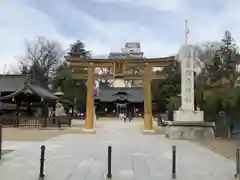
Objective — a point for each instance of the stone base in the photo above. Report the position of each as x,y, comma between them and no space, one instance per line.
190,130
90,131
189,125
148,131
188,116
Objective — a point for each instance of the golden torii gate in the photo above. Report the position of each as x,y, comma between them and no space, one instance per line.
120,68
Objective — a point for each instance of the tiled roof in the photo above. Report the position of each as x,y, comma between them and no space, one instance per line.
109,94
18,83
11,83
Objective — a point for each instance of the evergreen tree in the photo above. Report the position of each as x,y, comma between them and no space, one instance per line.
163,90
229,57
78,49
72,89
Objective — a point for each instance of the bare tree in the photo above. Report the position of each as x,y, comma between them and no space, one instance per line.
46,53
206,51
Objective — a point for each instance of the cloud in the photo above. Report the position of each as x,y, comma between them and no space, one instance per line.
161,5
20,22
114,35
157,24
207,19
108,36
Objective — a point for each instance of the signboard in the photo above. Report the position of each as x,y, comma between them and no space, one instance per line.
119,68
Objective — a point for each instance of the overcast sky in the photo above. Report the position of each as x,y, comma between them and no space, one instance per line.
105,25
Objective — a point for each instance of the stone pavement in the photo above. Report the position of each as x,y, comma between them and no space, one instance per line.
135,156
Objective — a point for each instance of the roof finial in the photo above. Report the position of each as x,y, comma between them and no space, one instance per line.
186,32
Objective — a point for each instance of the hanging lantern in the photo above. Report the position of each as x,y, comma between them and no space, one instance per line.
59,93
13,99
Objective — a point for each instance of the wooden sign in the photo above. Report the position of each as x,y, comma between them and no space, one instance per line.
119,68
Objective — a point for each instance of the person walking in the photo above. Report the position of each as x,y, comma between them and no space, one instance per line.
125,118
130,116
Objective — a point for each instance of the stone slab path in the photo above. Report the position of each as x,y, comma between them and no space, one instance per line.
135,157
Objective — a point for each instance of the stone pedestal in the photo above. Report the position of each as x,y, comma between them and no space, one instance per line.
189,125
90,131
151,131
188,116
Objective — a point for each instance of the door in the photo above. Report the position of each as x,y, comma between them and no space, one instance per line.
121,110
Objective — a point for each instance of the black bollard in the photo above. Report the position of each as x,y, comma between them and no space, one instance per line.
173,162
237,175
42,159
109,173
1,141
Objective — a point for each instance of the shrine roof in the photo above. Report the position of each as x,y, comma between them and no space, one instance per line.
11,83
16,84
110,94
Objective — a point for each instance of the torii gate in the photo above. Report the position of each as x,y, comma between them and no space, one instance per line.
120,68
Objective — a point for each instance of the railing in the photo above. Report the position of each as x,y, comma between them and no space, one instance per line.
31,122
10,120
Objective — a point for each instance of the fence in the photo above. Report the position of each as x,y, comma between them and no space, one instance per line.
16,121
31,123
34,122
9,120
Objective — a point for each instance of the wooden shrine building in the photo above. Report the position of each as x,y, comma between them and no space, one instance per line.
19,89
127,69
111,101
21,95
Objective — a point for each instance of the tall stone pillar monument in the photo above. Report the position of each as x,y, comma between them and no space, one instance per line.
187,111
186,55
188,122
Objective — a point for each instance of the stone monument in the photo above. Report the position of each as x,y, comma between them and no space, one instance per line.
188,122
60,110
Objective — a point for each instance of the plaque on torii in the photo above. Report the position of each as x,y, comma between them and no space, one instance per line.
119,69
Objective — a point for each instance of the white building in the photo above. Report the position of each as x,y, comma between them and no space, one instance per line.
130,50
133,49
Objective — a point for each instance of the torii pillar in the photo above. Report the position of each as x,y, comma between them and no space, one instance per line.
88,126
147,80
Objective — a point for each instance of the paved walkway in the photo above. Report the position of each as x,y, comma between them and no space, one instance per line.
135,156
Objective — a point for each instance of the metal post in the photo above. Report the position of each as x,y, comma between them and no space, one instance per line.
109,173
42,159
173,162
1,141
237,175
94,117
59,122
54,113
